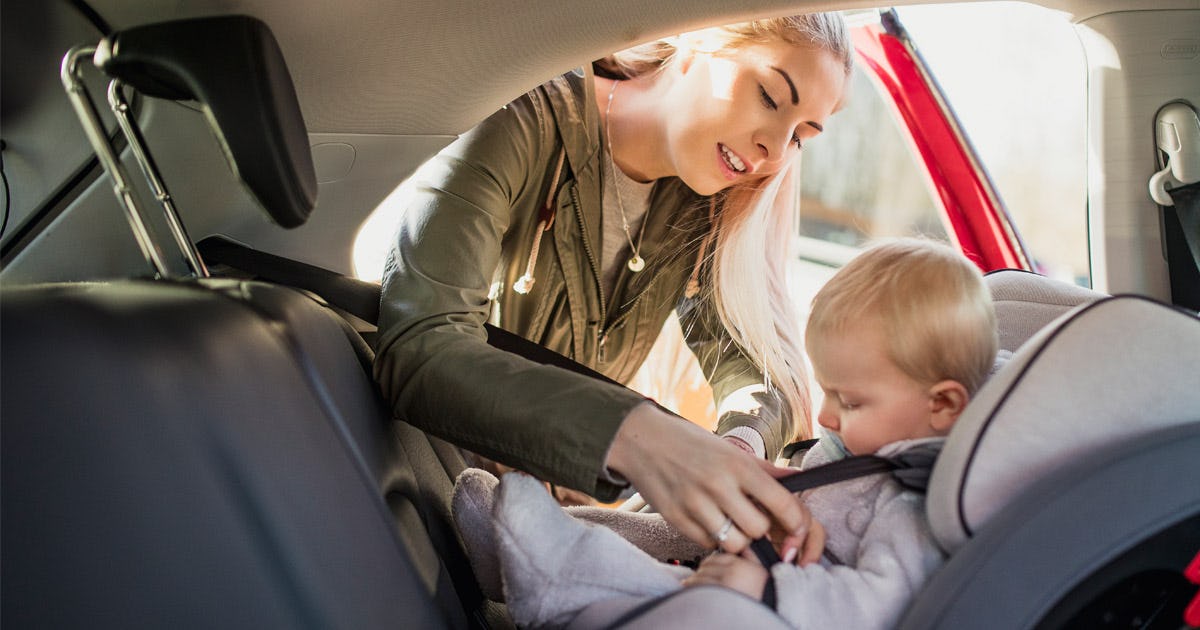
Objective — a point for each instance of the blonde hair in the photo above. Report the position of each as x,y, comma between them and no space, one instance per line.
753,229
821,31
930,301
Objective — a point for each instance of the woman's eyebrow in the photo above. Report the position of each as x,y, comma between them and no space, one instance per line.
791,86
796,96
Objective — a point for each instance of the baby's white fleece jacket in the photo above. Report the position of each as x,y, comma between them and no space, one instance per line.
879,551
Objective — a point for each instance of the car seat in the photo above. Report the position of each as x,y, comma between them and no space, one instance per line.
1066,494
188,451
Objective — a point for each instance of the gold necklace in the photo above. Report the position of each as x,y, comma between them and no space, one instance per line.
637,263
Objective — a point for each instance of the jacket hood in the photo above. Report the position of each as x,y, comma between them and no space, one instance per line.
572,97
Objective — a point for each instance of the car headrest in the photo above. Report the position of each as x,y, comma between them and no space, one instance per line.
233,66
1026,302
1102,373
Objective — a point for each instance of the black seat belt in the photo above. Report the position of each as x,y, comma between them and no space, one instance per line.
1175,187
359,298
911,468
1181,227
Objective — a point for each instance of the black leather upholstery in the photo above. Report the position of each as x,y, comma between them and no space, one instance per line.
234,66
179,456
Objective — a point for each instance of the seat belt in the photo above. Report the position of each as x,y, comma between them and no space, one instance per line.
1181,231
1176,189
1187,209
911,468
360,298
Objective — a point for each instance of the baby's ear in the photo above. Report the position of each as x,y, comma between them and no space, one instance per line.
947,399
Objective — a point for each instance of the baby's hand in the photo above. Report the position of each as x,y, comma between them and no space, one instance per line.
804,548
744,573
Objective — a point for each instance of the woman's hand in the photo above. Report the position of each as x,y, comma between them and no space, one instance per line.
801,550
696,480
741,573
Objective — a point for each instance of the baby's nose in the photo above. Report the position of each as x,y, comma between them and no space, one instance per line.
828,419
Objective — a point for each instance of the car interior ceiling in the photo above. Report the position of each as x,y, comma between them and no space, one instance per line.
206,447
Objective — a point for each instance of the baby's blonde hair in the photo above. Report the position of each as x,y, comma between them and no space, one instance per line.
931,302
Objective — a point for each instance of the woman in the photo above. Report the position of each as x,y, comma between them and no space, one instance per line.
579,216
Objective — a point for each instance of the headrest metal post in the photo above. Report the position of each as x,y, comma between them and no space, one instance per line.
137,143
89,117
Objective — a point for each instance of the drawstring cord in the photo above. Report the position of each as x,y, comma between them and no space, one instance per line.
545,220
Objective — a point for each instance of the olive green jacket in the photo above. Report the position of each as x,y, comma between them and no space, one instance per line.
466,235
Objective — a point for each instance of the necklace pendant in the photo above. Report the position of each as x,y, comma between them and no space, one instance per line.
637,263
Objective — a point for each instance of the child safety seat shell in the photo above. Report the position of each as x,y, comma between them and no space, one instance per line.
1082,449
1066,493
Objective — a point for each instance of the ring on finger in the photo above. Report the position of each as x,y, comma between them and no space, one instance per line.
723,533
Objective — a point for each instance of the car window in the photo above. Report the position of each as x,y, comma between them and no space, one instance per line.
859,181
1016,77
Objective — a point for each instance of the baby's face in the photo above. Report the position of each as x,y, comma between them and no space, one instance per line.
868,402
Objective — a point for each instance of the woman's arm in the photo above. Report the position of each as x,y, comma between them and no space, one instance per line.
433,363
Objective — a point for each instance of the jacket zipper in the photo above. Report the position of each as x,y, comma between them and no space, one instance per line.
601,332
620,321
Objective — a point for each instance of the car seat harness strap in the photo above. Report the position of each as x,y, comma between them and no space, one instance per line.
910,468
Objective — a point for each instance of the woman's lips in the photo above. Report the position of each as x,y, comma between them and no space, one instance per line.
731,164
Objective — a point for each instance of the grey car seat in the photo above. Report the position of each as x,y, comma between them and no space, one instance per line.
1067,493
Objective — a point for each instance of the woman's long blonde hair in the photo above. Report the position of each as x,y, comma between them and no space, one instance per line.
753,228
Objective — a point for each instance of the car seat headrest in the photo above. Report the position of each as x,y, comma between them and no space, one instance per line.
1026,302
233,66
1102,373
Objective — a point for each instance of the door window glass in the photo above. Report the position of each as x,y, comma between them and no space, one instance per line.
1016,76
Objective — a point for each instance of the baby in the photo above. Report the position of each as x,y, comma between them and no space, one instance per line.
900,339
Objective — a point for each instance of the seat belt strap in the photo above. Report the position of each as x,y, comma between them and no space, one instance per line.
1187,207
833,472
1181,236
360,298
910,468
